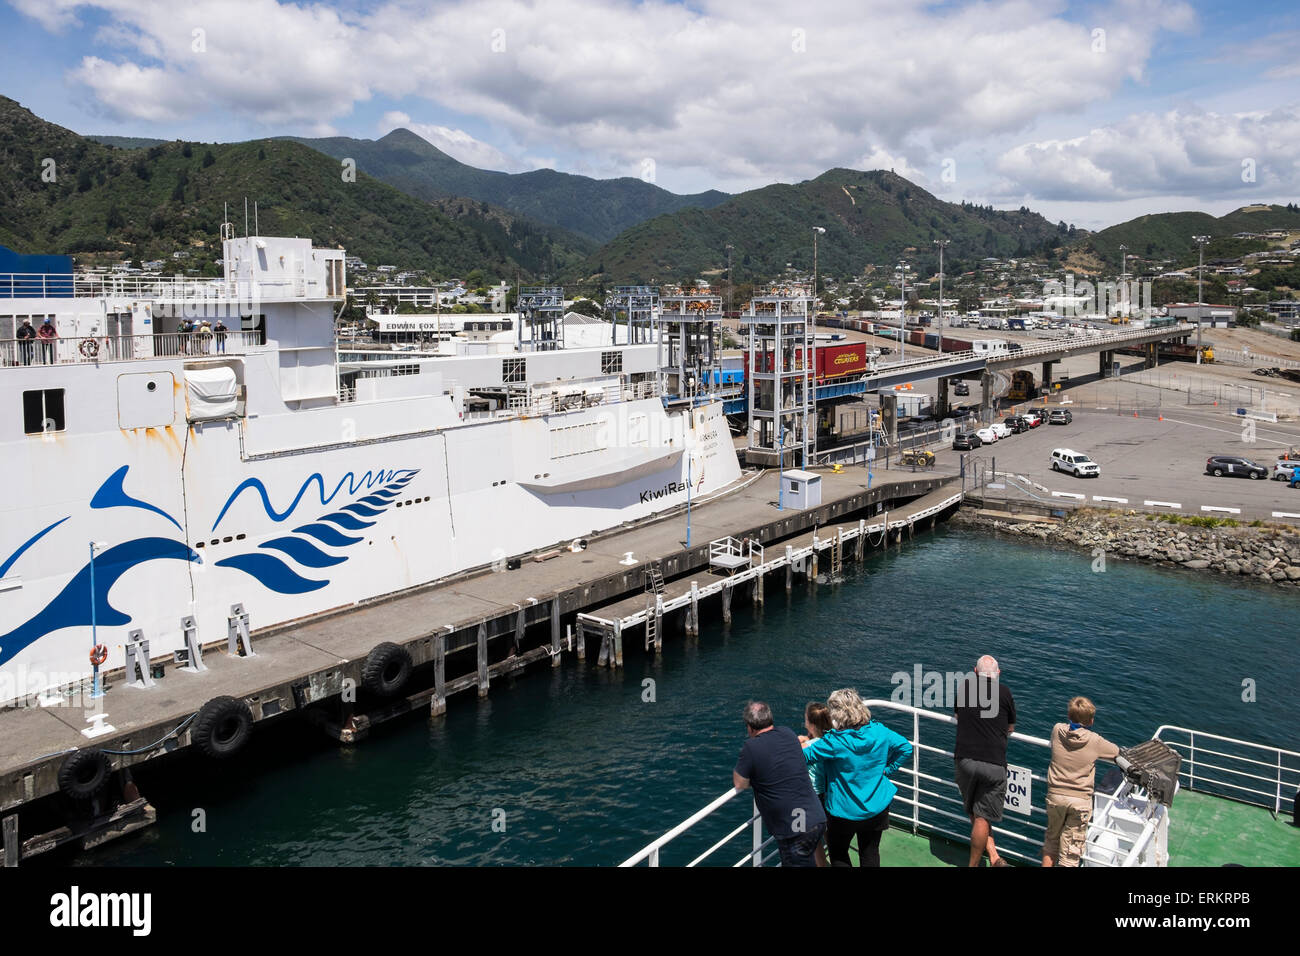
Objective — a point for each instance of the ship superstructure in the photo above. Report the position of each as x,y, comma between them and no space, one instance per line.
188,467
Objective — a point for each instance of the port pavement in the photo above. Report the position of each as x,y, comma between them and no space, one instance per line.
1149,464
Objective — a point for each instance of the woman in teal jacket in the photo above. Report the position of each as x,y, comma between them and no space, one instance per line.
857,757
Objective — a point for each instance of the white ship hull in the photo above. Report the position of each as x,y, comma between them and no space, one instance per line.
296,501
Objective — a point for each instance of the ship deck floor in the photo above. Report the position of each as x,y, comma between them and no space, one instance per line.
1204,830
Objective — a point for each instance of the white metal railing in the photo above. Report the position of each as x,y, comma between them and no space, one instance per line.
934,802
110,284
91,349
1259,774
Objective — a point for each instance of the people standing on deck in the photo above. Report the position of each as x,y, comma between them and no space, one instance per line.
26,341
858,756
203,336
1070,780
772,763
184,328
47,335
219,335
817,721
984,725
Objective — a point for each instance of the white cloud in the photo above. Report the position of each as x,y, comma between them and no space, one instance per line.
1181,152
748,91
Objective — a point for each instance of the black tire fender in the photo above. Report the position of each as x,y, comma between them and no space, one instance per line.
85,773
223,727
387,669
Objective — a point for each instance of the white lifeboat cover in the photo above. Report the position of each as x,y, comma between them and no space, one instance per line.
213,393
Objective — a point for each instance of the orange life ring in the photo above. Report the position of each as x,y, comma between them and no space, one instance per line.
98,654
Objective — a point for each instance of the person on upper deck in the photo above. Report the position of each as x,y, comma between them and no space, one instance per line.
26,336
858,756
47,334
984,725
772,763
1070,780
817,721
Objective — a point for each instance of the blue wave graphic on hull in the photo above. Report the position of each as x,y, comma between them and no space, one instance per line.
368,480
4,568
347,522
111,494
304,552
327,535
272,572
275,573
71,607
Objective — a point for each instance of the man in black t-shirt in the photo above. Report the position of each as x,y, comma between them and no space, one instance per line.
772,762
986,719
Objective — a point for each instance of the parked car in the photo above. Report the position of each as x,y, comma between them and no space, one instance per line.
1001,430
987,435
1283,470
1075,463
965,441
1016,423
1234,467
961,388
1059,416
1032,418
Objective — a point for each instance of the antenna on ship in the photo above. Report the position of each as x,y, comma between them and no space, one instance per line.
256,230
245,217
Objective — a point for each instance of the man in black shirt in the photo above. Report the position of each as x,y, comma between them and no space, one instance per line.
772,762
986,719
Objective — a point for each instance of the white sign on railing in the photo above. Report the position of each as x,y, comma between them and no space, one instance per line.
1020,788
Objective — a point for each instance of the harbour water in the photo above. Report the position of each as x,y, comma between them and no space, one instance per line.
578,766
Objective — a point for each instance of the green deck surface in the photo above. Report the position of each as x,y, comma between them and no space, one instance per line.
1203,831
1210,831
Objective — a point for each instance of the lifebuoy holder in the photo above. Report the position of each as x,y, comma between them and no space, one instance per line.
89,348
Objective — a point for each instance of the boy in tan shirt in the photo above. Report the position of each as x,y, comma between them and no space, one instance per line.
1070,776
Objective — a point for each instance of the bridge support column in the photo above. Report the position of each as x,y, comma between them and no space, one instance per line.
889,417
986,393
1152,355
942,410
1047,378
1103,362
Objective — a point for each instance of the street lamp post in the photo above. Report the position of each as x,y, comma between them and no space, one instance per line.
1123,271
902,312
1200,276
812,347
96,689
941,243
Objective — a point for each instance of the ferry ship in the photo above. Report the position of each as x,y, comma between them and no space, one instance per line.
162,483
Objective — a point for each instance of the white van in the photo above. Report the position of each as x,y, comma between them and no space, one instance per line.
1076,463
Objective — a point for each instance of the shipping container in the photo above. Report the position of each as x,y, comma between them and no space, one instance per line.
835,361
832,361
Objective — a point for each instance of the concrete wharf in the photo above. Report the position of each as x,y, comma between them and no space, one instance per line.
460,634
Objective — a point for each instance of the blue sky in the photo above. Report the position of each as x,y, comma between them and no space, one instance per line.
1091,113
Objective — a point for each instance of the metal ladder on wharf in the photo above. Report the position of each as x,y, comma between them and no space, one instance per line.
654,590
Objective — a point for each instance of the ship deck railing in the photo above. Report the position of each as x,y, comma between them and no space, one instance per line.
930,804
1233,769
39,285
95,349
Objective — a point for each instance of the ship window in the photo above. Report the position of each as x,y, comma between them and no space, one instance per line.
611,362
514,370
43,411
